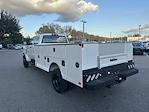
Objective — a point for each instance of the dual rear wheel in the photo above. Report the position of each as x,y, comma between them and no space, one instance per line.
25,62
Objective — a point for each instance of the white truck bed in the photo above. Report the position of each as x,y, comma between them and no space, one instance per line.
121,52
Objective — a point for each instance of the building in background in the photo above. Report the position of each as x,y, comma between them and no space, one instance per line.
132,38
137,38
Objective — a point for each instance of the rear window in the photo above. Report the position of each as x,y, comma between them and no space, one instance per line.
136,44
35,40
54,39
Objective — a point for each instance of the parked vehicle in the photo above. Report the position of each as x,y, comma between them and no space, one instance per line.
18,47
86,65
1,46
138,48
10,46
146,45
15,47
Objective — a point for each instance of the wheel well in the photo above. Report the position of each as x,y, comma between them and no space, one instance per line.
24,56
53,66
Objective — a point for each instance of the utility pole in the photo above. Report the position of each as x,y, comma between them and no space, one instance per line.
83,26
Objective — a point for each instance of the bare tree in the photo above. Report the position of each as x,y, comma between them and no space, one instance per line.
68,30
50,28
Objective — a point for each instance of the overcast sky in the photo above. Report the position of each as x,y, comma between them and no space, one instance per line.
102,16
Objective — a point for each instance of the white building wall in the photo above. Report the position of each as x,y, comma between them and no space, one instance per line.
130,39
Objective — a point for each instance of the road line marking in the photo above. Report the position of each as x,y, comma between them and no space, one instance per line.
146,55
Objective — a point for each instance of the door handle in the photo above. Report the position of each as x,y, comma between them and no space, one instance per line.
113,59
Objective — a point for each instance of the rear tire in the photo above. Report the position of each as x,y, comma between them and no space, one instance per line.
142,53
59,84
25,63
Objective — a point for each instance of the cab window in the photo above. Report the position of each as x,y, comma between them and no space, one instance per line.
54,39
35,40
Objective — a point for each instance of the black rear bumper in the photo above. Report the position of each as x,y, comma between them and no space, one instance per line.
137,51
110,79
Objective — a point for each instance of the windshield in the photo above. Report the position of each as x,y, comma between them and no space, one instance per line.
137,44
54,39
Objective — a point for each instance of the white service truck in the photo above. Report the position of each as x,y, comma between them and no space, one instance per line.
85,65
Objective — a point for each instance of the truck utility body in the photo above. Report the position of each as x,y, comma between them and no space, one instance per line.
85,65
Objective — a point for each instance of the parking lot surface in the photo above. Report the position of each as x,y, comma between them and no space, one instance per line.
30,90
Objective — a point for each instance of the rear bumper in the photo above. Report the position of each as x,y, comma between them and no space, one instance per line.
110,80
138,51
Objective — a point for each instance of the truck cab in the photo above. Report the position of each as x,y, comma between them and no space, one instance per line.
86,65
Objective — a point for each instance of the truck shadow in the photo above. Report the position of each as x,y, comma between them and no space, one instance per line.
105,99
74,90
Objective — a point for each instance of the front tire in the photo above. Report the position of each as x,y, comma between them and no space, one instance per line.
25,63
59,84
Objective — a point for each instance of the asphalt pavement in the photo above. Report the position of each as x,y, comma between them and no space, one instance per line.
30,90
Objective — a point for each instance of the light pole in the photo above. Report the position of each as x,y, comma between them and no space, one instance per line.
139,30
111,36
83,26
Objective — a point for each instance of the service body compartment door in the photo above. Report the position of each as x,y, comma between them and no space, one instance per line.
89,56
109,60
74,64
